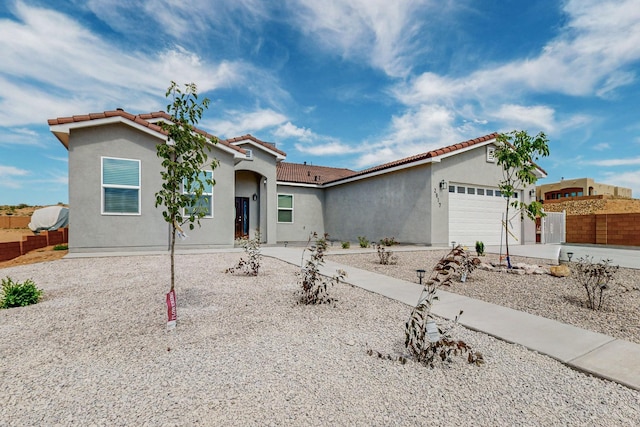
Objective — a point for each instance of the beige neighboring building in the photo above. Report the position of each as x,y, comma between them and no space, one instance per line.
577,188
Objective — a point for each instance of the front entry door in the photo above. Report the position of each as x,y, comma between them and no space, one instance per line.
242,217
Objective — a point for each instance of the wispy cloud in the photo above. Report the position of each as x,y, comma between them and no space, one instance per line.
12,177
615,162
237,122
62,55
383,34
602,146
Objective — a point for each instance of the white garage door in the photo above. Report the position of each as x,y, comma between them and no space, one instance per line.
475,213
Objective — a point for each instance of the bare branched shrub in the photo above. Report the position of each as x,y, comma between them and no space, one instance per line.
386,256
313,285
424,339
251,265
595,279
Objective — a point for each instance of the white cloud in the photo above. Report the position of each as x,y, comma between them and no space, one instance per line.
602,146
238,122
630,161
520,116
84,73
379,32
289,130
324,148
588,58
11,176
630,179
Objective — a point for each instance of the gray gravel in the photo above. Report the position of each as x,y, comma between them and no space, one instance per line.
557,298
95,352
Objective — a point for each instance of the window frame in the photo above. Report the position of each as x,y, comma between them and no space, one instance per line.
104,186
204,194
285,209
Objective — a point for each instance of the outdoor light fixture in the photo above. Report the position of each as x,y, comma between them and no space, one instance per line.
444,185
453,244
254,197
569,255
420,274
532,193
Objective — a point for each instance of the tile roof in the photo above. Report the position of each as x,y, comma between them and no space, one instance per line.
309,174
250,137
140,119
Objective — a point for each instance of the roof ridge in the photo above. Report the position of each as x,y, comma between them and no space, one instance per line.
141,119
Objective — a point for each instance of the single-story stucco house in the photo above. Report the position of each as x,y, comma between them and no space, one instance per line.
434,198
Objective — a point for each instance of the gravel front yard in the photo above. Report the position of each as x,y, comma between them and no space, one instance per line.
558,298
95,352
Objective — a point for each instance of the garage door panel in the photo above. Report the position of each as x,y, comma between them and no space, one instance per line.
475,217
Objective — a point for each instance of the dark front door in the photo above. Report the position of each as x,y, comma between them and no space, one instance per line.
242,217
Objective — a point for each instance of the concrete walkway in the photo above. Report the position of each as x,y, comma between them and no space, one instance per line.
595,353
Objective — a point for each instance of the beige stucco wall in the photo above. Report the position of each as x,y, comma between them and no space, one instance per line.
92,231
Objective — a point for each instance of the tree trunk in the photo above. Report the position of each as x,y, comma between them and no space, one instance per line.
173,250
506,233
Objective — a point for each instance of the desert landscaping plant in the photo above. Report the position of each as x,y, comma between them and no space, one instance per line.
480,248
61,247
386,256
314,287
595,278
16,294
516,153
363,241
184,157
388,241
424,339
346,245
251,265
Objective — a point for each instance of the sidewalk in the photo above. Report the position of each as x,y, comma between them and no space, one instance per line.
595,353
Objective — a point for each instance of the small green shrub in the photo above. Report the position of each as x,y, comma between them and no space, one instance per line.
346,245
480,248
364,242
388,241
251,265
313,285
61,247
16,294
595,278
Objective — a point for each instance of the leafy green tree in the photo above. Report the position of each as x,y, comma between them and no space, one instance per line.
516,153
184,156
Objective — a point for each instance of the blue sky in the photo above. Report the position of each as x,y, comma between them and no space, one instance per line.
344,83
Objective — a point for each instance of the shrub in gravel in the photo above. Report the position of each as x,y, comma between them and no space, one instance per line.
251,265
386,256
388,241
480,248
61,247
364,242
346,245
595,279
313,285
424,339
16,294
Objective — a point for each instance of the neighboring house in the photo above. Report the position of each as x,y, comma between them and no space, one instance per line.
578,188
434,198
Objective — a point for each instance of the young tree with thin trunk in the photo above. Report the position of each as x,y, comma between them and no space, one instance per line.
516,153
184,156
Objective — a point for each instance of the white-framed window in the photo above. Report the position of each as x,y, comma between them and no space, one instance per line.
285,208
120,186
205,202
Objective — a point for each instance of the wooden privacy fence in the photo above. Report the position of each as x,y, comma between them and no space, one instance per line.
604,229
11,250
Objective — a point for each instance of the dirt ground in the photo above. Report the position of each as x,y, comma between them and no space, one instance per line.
39,255
13,234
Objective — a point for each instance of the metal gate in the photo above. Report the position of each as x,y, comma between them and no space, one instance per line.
553,227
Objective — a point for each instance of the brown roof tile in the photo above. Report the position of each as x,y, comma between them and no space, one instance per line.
309,174
423,156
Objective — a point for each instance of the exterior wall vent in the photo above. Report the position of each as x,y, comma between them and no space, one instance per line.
249,153
491,154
